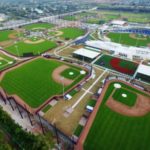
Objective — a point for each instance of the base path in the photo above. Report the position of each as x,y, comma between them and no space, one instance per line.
141,107
34,42
60,79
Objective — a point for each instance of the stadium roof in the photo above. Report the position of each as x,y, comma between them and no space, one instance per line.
86,53
143,69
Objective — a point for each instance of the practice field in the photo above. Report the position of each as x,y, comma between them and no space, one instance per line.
5,61
129,39
121,123
117,64
39,80
4,35
72,33
38,26
21,48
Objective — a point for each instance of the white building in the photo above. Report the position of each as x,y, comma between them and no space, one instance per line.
118,22
143,73
129,52
86,54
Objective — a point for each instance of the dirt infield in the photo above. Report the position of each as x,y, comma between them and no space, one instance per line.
59,33
141,107
6,43
33,42
137,38
58,78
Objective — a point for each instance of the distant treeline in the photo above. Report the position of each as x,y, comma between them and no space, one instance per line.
141,9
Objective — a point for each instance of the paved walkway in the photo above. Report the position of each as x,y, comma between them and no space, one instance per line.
88,90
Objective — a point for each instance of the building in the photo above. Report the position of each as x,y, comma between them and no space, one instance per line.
129,52
118,23
143,73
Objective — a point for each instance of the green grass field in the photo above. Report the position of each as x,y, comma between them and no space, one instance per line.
113,131
70,18
33,82
30,48
72,33
38,26
128,16
4,35
124,38
5,61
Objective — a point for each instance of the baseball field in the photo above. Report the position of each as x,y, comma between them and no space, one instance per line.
117,64
129,39
72,33
37,81
121,121
5,61
29,46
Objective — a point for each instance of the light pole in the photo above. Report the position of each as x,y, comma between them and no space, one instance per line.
17,50
62,80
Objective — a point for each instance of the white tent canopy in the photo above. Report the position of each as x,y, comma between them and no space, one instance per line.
118,22
143,69
86,53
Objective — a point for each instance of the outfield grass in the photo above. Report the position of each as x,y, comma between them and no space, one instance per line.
33,82
38,26
105,61
72,33
129,100
4,35
30,48
113,131
124,38
5,61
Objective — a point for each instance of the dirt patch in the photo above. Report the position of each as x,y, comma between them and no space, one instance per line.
148,45
141,107
6,43
58,78
133,36
33,42
12,36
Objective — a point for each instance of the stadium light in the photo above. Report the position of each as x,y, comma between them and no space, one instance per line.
62,79
17,50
